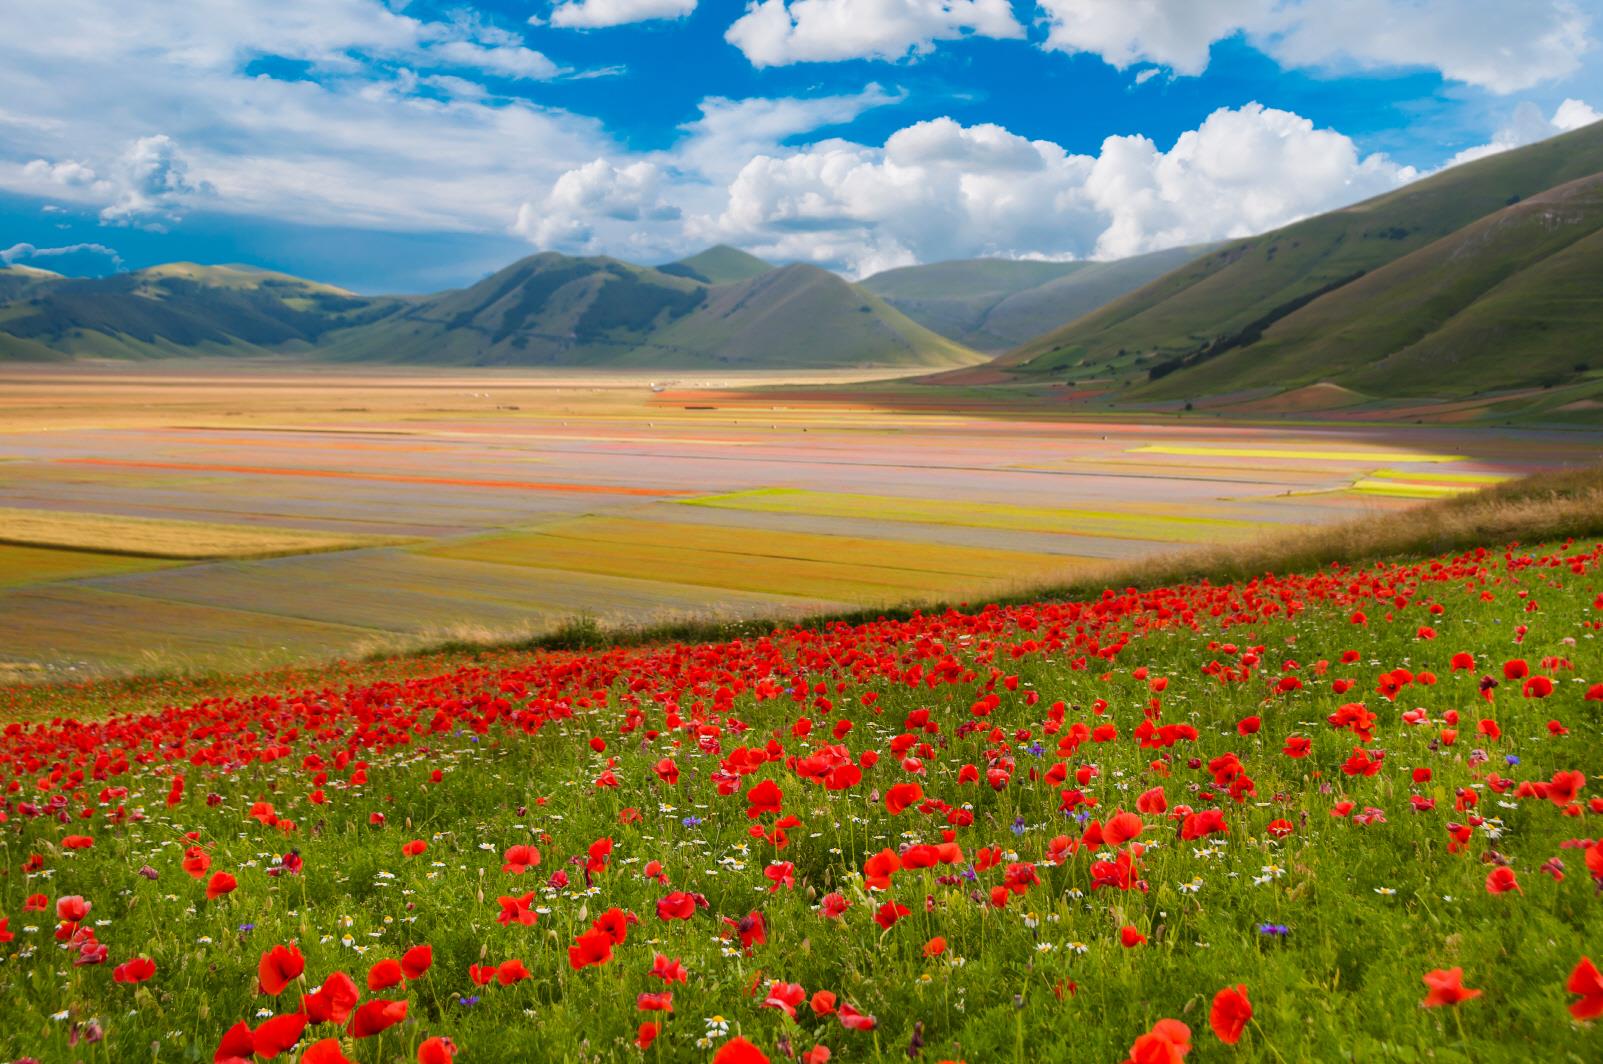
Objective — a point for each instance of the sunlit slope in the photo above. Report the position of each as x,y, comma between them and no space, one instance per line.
721,264
551,309
175,309
1510,300
801,315
1232,294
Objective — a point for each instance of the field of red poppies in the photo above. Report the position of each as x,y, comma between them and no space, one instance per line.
1343,815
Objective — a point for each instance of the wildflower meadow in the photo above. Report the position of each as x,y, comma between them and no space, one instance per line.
1349,814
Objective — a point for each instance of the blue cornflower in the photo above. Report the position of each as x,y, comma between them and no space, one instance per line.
691,821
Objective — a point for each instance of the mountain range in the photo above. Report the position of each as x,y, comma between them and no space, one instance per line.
722,307
1480,280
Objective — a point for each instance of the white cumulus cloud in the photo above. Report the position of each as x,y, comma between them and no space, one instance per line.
1495,44
778,32
1528,125
23,252
594,14
575,212
939,190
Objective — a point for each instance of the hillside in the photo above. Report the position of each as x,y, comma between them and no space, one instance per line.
550,309
176,309
1234,300
1508,301
994,304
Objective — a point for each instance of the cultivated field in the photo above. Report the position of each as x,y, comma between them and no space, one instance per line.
238,516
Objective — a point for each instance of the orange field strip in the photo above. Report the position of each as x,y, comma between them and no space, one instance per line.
394,478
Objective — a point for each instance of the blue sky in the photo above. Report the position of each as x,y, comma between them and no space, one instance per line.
413,146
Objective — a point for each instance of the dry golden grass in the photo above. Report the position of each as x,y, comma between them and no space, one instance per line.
1546,507
145,537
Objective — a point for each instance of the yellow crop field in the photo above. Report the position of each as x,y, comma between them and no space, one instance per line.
155,538
1154,525
38,565
1320,454
843,568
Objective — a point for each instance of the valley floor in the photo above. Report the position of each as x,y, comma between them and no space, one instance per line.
221,516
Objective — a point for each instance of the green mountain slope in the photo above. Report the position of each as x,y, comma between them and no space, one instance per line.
718,265
996,304
1231,296
177,309
551,309
1510,300
801,315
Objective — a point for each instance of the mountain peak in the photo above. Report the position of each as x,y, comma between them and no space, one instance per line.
719,264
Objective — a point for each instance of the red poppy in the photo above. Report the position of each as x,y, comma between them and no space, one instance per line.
679,905
1167,1043
751,929
278,967
237,1043
516,910
278,1034
416,961
785,997
669,971
739,1051
436,1050
1121,828
326,1051
385,974
647,1035
878,869
512,971
589,948
414,848
519,859
765,797
823,1003
1230,1013
333,1001
221,883
1446,988
375,1016
196,862
134,971
1588,983
902,795
935,947
1130,937
853,1020
1501,880
887,915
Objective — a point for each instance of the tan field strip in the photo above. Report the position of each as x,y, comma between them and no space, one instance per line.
148,537
844,568
1159,526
